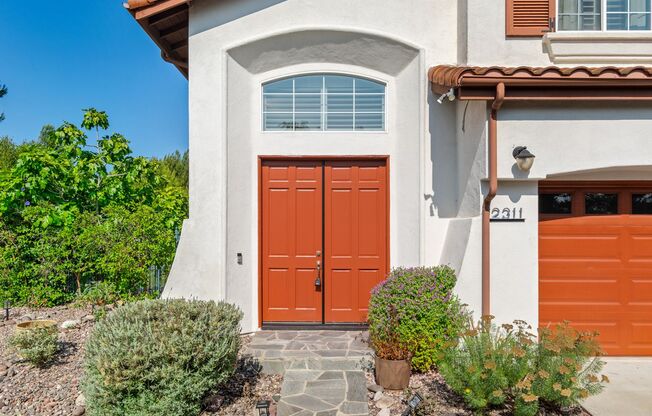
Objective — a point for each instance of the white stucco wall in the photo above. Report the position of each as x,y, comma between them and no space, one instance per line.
437,151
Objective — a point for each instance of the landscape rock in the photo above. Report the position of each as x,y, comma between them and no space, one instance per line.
88,318
79,411
374,387
80,400
71,323
384,412
378,395
384,402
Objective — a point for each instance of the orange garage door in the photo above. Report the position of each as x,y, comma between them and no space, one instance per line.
595,261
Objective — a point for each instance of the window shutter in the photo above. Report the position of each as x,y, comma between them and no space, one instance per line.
529,17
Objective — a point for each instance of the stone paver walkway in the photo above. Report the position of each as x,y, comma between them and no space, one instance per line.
323,370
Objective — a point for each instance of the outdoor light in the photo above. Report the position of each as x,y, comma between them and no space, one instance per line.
7,304
450,95
524,159
263,407
412,404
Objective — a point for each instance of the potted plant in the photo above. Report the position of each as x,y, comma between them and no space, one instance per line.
393,367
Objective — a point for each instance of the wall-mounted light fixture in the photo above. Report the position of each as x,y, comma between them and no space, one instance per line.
450,95
524,158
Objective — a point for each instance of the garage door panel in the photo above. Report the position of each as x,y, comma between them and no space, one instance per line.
641,246
641,335
580,268
596,272
640,292
559,290
566,245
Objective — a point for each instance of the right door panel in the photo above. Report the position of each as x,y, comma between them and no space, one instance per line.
355,222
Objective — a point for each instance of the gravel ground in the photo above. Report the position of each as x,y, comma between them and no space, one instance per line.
439,400
53,390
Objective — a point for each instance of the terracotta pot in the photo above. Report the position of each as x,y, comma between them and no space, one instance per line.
37,324
393,374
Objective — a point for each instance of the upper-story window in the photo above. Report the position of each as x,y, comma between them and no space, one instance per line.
324,103
610,15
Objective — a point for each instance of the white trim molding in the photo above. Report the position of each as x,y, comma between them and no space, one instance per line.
599,47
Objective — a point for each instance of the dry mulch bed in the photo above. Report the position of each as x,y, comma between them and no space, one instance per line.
25,390
439,400
53,390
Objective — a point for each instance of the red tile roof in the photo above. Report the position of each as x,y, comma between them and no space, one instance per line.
455,76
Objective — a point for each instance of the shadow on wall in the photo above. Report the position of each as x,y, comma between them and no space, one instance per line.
443,155
457,133
229,10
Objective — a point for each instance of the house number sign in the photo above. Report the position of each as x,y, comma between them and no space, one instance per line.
513,214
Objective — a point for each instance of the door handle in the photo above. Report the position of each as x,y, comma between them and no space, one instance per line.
318,279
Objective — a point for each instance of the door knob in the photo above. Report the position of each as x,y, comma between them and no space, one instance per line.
318,279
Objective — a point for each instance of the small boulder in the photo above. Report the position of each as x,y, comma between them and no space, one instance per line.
88,318
374,387
72,323
384,412
385,402
80,401
378,395
79,411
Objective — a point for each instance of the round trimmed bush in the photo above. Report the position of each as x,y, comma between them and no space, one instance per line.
415,310
159,357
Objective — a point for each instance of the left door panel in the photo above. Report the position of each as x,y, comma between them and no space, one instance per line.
291,241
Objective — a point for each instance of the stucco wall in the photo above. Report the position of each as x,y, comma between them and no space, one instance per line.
437,151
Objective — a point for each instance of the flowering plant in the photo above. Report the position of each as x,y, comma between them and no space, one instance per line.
506,365
413,313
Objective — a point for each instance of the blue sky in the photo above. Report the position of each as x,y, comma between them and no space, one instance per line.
57,57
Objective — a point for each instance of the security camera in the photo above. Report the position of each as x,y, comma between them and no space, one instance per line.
450,95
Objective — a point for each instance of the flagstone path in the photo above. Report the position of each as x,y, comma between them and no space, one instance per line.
323,370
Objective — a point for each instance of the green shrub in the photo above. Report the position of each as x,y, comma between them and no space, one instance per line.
494,366
71,215
567,366
38,345
415,309
99,294
159,357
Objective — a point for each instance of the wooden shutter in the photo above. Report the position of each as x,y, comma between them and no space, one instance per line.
529,17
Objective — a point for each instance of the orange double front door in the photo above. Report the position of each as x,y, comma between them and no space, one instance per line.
323,238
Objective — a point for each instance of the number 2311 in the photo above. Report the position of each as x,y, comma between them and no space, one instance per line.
507,213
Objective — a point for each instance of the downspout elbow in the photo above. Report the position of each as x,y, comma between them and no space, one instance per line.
499,99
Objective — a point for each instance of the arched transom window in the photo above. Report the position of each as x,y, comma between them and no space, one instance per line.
324,103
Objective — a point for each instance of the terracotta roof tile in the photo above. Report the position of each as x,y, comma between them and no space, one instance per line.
454,76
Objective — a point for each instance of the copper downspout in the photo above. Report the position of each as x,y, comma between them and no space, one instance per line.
491,193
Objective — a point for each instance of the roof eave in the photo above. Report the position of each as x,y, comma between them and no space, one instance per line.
150,12
550,83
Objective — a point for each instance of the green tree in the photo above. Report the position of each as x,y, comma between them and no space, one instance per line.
72,214
3,92
174,168
8,153
46,136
